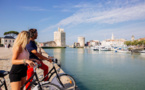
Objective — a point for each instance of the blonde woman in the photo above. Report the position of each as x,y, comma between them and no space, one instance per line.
19,60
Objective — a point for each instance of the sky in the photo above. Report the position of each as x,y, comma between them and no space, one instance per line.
92,19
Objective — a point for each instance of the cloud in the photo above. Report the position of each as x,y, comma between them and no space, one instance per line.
34,9
109,16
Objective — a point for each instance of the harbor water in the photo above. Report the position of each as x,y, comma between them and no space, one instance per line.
102,70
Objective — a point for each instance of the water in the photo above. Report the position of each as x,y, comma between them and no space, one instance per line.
94,70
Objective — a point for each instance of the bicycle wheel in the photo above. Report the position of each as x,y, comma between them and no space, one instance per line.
49,86
67,81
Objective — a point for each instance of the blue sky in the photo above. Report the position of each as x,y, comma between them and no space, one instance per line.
93,19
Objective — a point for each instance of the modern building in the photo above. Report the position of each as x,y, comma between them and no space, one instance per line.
59,38
81,41
7,40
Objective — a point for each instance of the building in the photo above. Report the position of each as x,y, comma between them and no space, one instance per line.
141,39
48,44
132,38
93,43
76,44
113,42
59,38
81,41
7,40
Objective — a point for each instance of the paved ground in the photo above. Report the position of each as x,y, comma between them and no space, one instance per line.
5,63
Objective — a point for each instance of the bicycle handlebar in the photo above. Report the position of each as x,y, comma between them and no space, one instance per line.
54,60
37,65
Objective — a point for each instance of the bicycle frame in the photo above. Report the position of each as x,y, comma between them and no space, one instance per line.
3,83
54,72
35,74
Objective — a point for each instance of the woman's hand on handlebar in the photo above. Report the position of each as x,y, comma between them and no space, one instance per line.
37,61
31,63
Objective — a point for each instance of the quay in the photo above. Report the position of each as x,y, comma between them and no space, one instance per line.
5,64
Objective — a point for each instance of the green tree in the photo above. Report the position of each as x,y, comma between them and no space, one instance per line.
135,42
144,42
127,43
140,42
11,33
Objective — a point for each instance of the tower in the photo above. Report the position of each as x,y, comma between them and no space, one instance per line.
59,37
132,38
81,41
112,37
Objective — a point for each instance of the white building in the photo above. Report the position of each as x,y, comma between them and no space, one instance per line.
59,37
113,42
7,40
81,41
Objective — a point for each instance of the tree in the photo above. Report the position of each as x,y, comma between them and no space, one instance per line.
11,33
141,42
128,43
135,42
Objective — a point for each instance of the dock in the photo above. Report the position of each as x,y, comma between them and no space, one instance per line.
5,64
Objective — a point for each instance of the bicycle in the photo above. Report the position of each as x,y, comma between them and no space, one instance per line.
63,80
39,86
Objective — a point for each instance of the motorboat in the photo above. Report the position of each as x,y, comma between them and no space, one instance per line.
124,51
96,48
105,49
143,51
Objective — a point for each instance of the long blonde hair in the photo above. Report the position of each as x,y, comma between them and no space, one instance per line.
22,40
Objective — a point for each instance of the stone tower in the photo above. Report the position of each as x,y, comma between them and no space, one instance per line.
59,37
81,41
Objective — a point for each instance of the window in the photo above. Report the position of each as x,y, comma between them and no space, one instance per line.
9,40
5,40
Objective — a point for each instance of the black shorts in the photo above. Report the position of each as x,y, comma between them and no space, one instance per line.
17,73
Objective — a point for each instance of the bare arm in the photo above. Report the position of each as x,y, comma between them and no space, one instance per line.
40,56
16,61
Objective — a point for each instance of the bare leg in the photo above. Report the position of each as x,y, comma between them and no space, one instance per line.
15,85
23,80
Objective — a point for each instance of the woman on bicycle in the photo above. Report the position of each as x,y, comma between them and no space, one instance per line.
20,58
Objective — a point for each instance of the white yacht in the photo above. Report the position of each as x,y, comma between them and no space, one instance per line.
124,51
105,49
96,48
143,51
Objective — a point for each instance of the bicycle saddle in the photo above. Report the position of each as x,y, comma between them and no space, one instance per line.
3,73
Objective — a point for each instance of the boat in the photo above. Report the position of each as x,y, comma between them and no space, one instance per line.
96,48
143,51
124,51
103,48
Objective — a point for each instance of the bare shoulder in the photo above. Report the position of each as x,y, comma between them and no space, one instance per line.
17,49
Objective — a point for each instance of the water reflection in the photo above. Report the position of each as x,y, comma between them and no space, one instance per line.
94,70
59,53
